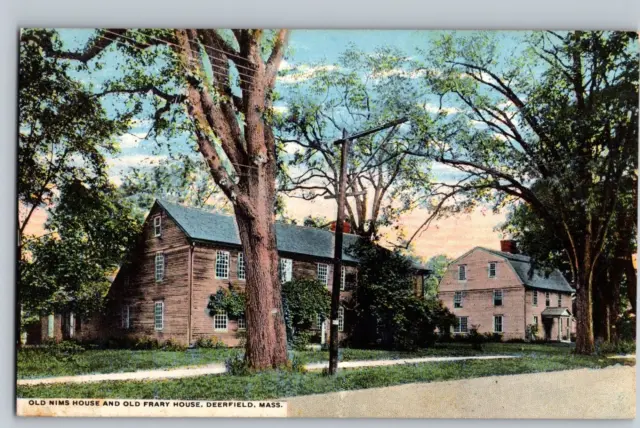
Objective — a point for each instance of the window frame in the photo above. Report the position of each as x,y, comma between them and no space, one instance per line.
326,273
547,299
72,325
226,321
242,320
535,320
286,270
224,265
156,304
241,269
495,292
340,318
495,318
458,327
495,269
51,326
559,300
160,260
343,278
157,226
457,305
534,298
462,269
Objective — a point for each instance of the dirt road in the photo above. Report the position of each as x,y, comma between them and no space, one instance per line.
594,394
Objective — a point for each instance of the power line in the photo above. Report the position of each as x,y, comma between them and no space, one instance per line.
191,60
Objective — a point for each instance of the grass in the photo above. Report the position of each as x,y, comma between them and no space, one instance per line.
279,384
36,363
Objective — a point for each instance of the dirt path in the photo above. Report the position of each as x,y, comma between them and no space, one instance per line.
581,394
182,372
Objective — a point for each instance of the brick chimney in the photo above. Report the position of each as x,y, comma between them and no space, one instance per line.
346,228
509,246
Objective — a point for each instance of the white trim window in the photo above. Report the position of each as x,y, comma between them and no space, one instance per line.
51,319
493,267
559,300
157,226
340,318
497,297
462,272
220,321
158,315
535,297
159,266
343,278
457,299
286,270
222,264
547,297
498,324
319,320
242,323
535,320
462,326
323,273
241,269
125,314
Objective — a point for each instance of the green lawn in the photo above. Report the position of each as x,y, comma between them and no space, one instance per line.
277,384
35,363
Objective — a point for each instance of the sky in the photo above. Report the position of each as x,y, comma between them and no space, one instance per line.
307,49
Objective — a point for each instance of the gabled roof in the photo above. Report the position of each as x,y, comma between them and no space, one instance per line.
521,264
206,226
556,312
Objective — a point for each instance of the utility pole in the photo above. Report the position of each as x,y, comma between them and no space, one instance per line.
339,232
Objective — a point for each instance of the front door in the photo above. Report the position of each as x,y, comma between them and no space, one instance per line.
547,324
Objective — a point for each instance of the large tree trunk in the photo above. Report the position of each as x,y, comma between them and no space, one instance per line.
585,343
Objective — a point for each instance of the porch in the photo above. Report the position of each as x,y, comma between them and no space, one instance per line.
557,324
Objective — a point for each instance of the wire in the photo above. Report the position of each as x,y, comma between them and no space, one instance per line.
192,60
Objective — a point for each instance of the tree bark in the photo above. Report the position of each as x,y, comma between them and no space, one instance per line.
585,343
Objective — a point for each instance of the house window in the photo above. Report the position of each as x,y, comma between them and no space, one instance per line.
159,267
559,300
340,318
158,315
492,269
535,298
457,299
222,264
498,324
286,270
220,321
157,226
462,325
319,320
125,317
535,320
241,271
323,273
242,323
50,325
343,278
547,298
462,273
497,297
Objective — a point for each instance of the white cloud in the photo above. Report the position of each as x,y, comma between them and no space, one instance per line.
115,180
131,140
414,74
135,160
284,65
435,109
281,109
303,72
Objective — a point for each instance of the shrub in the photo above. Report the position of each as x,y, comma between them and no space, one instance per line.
145,343
212,342
532,332
237,366
173,345
475,338
620,347
301,340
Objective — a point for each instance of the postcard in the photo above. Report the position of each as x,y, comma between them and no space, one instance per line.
327,223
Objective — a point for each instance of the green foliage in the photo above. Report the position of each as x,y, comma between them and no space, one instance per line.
475,338
622,347
65,351
438,265
230,301
237,366
146,343
306,298
386,311
301,340
212,342
173,345
532,332
361,91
